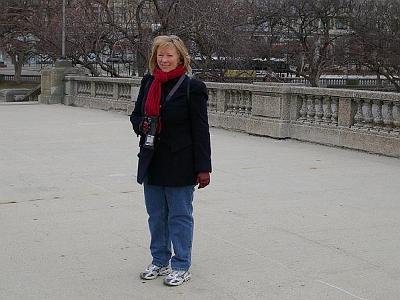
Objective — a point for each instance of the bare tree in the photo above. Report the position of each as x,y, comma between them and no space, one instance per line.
221,34
375,42
309,35
93,29
136,23
217,40
16,38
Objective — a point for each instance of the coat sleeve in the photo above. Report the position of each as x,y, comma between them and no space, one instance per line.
137,115
200,128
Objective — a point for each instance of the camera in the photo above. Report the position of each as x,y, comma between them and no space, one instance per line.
151,134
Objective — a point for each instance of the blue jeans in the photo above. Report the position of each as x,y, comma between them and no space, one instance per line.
170,220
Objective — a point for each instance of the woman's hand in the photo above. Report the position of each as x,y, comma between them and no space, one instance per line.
203,179
145,126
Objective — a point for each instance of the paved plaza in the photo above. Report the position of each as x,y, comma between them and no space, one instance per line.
281,219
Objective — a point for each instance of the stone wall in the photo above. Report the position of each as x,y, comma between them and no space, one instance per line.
363,120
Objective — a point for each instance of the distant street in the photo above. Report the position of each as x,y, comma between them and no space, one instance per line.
32,69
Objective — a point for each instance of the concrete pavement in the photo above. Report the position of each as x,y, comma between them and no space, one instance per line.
280,220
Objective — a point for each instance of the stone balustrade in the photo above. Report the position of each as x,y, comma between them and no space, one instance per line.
352,81
23,78
363,120
101,92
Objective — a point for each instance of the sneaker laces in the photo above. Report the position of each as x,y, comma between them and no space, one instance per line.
151,268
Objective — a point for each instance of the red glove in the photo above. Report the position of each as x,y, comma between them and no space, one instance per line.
203,179
145,126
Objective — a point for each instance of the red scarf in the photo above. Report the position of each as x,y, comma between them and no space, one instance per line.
152,105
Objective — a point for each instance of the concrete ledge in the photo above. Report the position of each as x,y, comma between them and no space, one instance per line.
20,103
226,121
386,144
253,125
268,127
327,135
100,103
12,95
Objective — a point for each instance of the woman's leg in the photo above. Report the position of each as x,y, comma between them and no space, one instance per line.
157,209
180,223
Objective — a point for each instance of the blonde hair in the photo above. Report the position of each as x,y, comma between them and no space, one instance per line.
169,41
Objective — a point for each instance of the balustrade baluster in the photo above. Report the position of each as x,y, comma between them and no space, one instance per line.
334,117
368,118
311,110
99,89
82,87
303,108
211,100
232,101
358,118
396,118
235,101
244,101
240,99
215,101
127,92
228,101
96,88
388,118
319,111
248,102
378,119
328,111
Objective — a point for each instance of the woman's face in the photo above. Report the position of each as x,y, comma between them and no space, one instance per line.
167,58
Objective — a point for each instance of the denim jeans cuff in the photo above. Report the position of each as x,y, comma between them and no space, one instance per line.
180,269
158,264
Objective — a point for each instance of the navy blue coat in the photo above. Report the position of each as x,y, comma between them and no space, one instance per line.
182,149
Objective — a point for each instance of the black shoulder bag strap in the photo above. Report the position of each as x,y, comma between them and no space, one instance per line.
176,86
188,92
171,93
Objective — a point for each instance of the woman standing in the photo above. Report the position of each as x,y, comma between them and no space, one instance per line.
170,116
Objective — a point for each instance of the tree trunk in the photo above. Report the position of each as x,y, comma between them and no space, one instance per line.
141,62
314,78
313,81
18,62
397,86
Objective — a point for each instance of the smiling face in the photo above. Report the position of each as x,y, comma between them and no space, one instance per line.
167,58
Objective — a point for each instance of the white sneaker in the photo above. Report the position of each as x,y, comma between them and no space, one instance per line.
153,271
177,278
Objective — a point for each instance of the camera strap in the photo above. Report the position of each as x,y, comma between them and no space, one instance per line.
188,92
171,93
176,86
